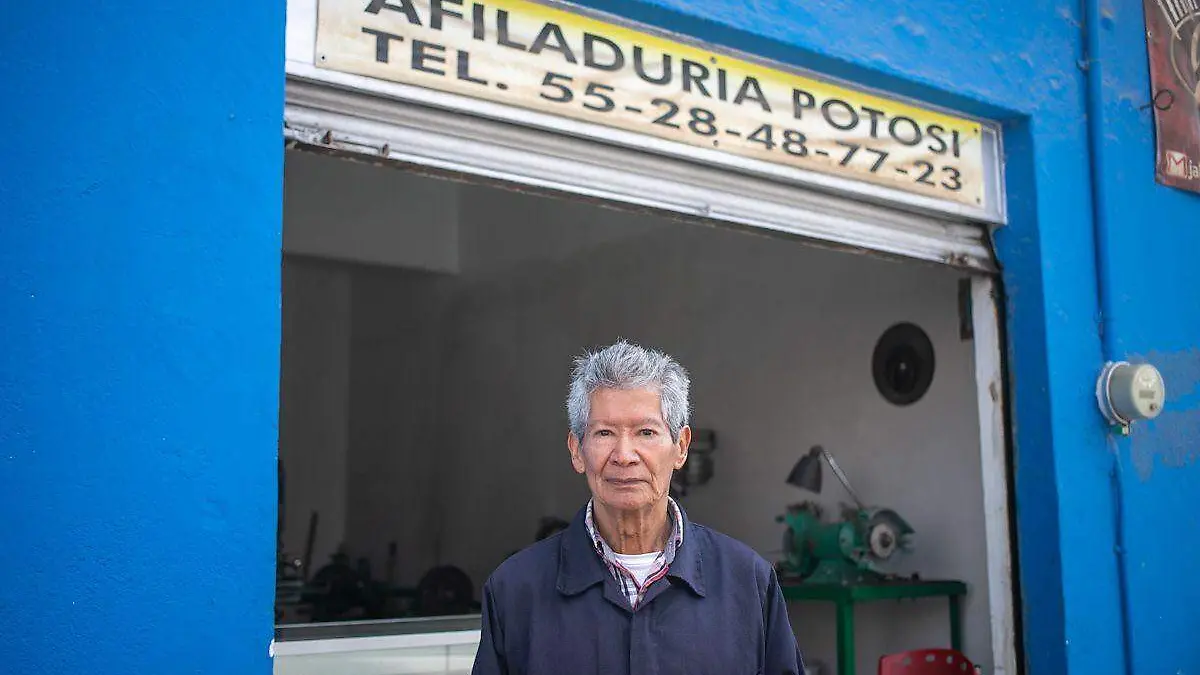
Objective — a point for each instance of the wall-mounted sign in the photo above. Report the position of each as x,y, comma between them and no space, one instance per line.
571,64
1173,38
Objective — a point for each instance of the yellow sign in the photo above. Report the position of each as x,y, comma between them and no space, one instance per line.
554,61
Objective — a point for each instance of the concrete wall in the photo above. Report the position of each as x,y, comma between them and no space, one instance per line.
140,195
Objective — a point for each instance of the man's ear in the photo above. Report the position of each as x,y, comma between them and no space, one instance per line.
685,440
576,452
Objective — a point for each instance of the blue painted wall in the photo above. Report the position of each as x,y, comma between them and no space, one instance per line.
139,250
140,216
1150,276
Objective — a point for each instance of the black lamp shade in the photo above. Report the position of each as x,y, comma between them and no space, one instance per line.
807,473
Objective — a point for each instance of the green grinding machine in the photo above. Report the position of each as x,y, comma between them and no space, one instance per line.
846,550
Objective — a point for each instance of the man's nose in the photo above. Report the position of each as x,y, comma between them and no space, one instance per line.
626,451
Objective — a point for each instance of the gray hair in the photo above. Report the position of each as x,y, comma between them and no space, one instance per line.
626,366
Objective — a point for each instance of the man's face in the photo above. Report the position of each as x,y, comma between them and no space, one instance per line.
627,453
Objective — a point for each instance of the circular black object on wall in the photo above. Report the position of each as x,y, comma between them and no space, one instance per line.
903,364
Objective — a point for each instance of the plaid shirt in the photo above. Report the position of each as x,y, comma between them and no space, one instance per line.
629,585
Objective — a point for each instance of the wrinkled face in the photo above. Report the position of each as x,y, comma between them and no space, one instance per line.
627,453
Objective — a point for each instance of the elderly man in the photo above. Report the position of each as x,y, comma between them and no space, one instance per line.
632,585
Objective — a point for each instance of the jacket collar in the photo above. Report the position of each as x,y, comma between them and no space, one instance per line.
580,567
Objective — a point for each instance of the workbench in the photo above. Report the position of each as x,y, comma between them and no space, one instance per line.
846,596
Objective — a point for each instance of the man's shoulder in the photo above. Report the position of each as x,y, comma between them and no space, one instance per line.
733,553
532,563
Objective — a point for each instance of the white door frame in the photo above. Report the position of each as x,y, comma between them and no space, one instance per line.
993,449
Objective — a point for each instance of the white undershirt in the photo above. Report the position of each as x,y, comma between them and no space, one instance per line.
639,564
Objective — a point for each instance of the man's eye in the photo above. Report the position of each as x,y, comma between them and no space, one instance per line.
604,432
648,432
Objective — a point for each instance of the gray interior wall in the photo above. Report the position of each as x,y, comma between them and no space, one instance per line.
340,209
457,432
396,389
488,244
778,338
314,403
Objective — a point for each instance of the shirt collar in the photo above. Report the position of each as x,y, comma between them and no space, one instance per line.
674,540
580,568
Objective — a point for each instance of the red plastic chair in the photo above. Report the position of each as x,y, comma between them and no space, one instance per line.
926,662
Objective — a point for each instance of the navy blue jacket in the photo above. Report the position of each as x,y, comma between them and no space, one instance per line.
555,609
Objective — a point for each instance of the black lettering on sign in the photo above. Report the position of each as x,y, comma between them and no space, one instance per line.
928,170
639,65
600,92
795,143
421,53
954,136
765,135
564,92
405,7
502,38
875,115
937,144
383,40
665,118
702,122
801,101
752,91
851,148
615,60
558,44
952,183
464,68
722,85
694,74
478,22
914,136
880,155
437,11
827,112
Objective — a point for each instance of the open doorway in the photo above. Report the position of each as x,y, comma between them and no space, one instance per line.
428,331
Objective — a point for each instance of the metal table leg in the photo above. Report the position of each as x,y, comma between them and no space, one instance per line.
955,623
845,637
